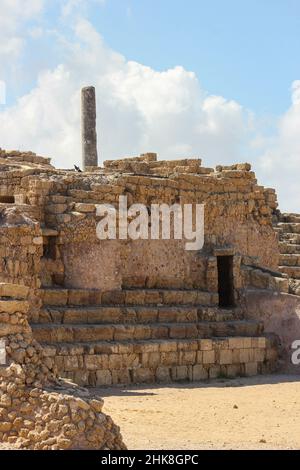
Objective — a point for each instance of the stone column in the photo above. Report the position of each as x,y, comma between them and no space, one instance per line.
88,122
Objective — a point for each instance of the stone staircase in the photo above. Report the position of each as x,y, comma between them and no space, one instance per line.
288,229
148,335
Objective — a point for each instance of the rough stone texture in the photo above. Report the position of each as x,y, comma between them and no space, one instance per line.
123,311
89,133
281,315
288,228
37,410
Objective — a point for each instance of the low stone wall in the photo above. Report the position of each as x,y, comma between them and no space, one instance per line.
164,361
37,409
280,313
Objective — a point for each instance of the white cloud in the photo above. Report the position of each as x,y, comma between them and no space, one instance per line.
75,6
279,163
140,109
2,92
13,15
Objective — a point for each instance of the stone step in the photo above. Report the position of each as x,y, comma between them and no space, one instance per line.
134,314
289,227
289,260
290,218
291,238
70,333
110,363
291,271
127,296
289,248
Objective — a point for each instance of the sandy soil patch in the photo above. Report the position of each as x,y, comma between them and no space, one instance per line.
250,413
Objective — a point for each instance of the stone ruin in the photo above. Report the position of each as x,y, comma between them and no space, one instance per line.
39,411
76,311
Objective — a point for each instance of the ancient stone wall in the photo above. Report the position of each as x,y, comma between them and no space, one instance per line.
280,313
124,311
238,214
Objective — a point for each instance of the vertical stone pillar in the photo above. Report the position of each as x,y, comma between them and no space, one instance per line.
88,123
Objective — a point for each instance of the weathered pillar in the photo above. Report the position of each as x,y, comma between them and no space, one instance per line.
88,123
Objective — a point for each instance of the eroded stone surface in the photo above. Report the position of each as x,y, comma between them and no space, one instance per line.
37,409
124,311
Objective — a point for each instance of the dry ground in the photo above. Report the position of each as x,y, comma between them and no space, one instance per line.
253,413
250,413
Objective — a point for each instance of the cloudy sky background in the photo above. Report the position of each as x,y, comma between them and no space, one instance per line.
146,62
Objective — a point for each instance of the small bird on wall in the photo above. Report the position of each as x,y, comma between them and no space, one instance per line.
77,169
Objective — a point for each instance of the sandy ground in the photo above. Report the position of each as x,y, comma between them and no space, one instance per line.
253,413
250,413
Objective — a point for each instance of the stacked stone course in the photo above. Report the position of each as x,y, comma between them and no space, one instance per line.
120,312
37,410
288,229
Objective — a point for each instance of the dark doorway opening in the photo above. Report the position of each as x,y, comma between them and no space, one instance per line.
7,199
50,248
225,280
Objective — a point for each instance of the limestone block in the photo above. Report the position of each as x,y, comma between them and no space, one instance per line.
63,218
56,208
233,370
55,296
70,363
169,358
226,356
236,343
3,358
133,360
247,342
260,342
205,344
12,306
124,332
153,360
84,207
187,357
251,369
199,372
120,377
180,373
143,375
81,377
146,347
187,345
163,374
124,348
208,357
135,297
170,346
104,377
148,314
112,297
247,355
281,284
143,332
13,290
259,355
236,356
95,333
115,361
214,371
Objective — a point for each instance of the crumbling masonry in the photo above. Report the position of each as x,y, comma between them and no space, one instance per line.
108,312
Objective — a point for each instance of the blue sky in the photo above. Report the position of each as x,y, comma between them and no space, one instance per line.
243,49
217,79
